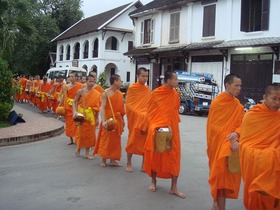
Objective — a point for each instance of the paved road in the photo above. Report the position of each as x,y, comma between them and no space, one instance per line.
46,175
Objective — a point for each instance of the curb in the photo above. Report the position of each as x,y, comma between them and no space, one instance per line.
31,138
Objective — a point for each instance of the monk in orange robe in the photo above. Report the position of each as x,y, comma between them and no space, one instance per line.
70,93
28,88
22,88
56,93
260,152
108,145
137,100
86,102
96,86
43,91
163,111
34,90
224,120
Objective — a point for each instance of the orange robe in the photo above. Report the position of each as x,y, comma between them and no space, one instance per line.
28,87
22,87
86,137
36,84
99,88
55,95
225,116
163,111
260,157
137,101
108,143
44,89
70,126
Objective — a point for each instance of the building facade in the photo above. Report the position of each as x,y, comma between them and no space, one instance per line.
98,42
210,36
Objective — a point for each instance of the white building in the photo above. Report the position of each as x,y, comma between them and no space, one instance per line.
213,36
98,42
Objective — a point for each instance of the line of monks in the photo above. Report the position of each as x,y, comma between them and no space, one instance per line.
255,136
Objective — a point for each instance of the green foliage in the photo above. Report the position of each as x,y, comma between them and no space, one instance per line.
27,28
6,94
102,80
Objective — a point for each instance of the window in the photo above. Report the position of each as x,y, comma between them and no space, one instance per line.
130,45
209,18
61,53
111,43
174,27
95,49
127,76
113,71
254,15
77,51
147,31
86,46
68,53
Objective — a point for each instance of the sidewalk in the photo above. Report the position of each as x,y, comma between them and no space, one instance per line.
37,126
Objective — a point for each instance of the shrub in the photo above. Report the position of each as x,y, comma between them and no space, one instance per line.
102,80
6,93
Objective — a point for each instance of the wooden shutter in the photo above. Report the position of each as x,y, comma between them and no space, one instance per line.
244,22
152,28
209,19
142,33
174,27
265,15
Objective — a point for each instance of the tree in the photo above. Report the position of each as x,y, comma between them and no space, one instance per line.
15,20
6,94
27,28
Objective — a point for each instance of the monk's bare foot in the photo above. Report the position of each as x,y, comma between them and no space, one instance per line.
177,193
129,168
88,157
77,153
215,206
70,143
115,164
152,187
103,164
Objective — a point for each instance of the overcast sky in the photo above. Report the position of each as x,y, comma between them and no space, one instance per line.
94,7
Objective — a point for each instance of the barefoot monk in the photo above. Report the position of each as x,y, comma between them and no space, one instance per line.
163,112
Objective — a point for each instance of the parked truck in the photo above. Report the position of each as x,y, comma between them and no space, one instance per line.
196,91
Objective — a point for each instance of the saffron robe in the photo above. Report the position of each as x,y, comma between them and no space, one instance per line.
163,110
224,117
260,157
56,93
44,89
137,100
108,143
36,84
86,136
98,88
70,126
22,87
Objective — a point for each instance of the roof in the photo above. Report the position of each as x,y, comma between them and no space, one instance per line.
169,49
139,51
159,4
202,45
250,42
92,24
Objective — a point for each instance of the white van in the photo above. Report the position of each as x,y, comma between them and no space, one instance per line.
65,71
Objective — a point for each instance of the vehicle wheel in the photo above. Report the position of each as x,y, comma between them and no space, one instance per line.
183,109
